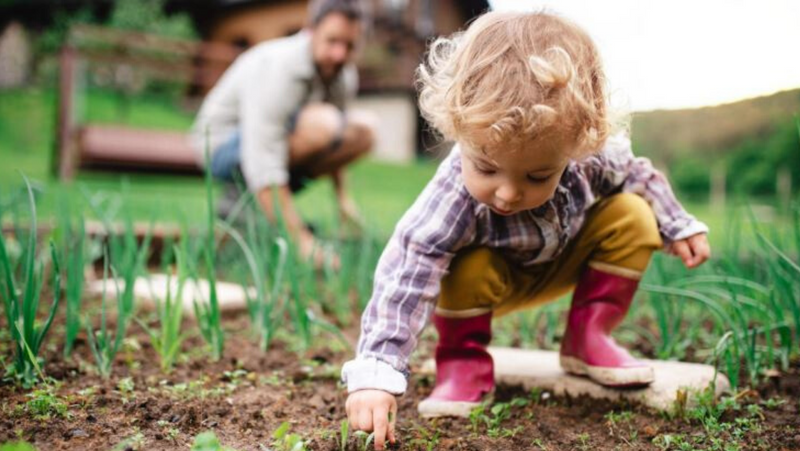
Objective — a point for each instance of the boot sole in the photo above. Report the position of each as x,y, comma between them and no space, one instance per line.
608,376
435,408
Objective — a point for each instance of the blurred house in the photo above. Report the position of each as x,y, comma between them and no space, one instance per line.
393,50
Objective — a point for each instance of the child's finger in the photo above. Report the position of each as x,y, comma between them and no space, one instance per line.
392,422
681,249
700,248
380,419
364,420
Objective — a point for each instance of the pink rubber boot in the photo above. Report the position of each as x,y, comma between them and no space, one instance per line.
464,369
600,302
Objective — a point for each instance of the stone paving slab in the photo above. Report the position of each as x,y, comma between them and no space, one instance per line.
533,368
231,296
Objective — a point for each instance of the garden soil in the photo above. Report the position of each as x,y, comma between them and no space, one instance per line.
245,397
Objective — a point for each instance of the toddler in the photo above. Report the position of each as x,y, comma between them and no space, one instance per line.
540,196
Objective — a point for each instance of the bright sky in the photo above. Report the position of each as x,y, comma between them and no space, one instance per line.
687,53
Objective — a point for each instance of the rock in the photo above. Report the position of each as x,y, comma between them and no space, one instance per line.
146,290
316,401
78,433
533,368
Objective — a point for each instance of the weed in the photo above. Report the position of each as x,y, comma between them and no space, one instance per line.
44,404
583,441
283,441
343,435
427,439
17,446
208,441
774,403
364,439
135,442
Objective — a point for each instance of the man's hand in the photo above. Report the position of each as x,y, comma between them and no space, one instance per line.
693,250
373,410
312,250
350,215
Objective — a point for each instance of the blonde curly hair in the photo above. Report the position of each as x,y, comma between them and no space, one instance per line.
513,79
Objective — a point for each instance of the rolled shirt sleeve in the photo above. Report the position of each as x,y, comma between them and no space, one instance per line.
615,169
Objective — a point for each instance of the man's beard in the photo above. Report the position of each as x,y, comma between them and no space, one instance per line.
330,75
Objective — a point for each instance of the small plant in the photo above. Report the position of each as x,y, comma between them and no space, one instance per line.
583,441
208,316
167,339
208,441
285,441
17,446
500,412
344,433
104,347
774,403
428,439
44,404
364,439
74,254
21,305
136,442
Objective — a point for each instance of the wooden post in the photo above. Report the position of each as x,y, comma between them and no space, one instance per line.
65,150
783,187
718,174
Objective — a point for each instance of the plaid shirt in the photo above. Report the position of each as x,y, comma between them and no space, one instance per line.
445,218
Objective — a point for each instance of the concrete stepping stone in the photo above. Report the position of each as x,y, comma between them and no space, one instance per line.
533,368
231,297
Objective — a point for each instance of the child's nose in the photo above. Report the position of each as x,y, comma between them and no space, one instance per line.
507,193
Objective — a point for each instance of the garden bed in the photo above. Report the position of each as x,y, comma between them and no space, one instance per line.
248,395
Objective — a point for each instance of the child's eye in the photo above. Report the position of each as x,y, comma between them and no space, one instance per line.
533,179
484,170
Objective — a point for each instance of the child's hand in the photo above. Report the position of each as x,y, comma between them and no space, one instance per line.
693,250
373,410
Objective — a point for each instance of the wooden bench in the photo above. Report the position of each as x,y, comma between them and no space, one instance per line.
81,146
126,148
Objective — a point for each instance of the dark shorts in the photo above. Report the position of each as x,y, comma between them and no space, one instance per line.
227,158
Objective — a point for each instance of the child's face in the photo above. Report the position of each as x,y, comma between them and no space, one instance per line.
511,182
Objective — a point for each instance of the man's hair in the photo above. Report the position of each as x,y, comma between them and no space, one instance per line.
319,9
513,80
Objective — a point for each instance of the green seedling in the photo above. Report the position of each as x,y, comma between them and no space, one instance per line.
285,441
364,439
105,347
17,446
344,435
135,442
167,339
208,315
74,242
21,305
44,405
208,441
428,439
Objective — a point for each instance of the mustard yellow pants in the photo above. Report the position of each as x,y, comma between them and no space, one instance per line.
619,235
